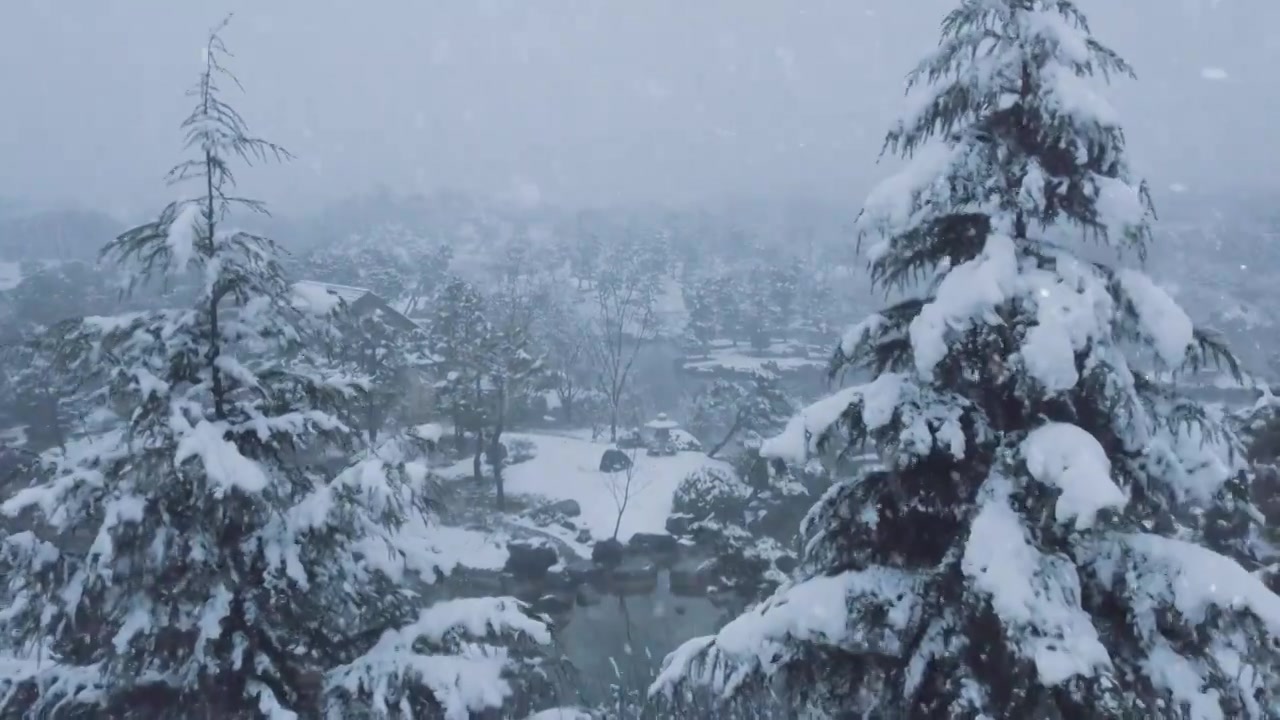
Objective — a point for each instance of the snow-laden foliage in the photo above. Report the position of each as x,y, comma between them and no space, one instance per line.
398,264
724,410
392,356
224,548
461,336
1056,534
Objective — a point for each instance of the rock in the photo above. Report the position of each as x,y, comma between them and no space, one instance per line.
635,576
653,544
607,553
786,563
614,460
553,603
580,571
473,582
568,525
734,569
529,560
630,440
567,508
584,536
690,578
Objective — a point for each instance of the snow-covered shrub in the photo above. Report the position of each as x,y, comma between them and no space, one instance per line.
520,450
1056,534
458,657
683,441
711,492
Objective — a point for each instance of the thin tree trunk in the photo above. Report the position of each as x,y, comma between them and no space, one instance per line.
479,450
495,447
737,423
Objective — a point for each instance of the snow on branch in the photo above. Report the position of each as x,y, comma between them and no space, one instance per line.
1064,456
871,406
449,649
1036,596
826,610
1158,572
1164,323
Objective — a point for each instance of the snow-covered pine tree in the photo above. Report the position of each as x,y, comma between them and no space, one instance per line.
512,365
726,409
201,559
1037,547
391,355
460,335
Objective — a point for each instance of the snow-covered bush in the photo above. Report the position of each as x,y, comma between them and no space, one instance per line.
684,441
711,492
198,558
1056,534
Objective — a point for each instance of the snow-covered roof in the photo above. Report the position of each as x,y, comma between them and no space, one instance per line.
347,293
662,422
321,298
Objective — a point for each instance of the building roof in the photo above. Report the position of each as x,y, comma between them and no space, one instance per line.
346,293
322,298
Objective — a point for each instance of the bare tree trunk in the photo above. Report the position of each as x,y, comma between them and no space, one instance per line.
737,423
496,458
477,470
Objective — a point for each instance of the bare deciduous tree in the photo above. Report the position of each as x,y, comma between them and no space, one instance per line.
624,485
625,295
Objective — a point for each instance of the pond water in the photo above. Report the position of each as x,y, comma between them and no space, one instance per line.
621,641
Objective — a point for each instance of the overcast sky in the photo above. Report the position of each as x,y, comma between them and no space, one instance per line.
575,101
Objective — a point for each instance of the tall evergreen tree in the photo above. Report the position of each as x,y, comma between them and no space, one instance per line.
1039,545
201,559
461,336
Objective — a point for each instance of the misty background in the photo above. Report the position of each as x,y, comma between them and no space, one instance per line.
576,103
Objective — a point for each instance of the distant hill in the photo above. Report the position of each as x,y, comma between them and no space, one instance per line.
55,235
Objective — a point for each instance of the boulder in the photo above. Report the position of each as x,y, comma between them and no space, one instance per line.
634,576
652,544
690,578
607,553
580,571
569,525
583,536
530,560
553,603
474,582
630,439
786,563
614,460
567,508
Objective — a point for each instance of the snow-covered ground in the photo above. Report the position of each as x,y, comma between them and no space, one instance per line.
567,468
435,548
782,356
